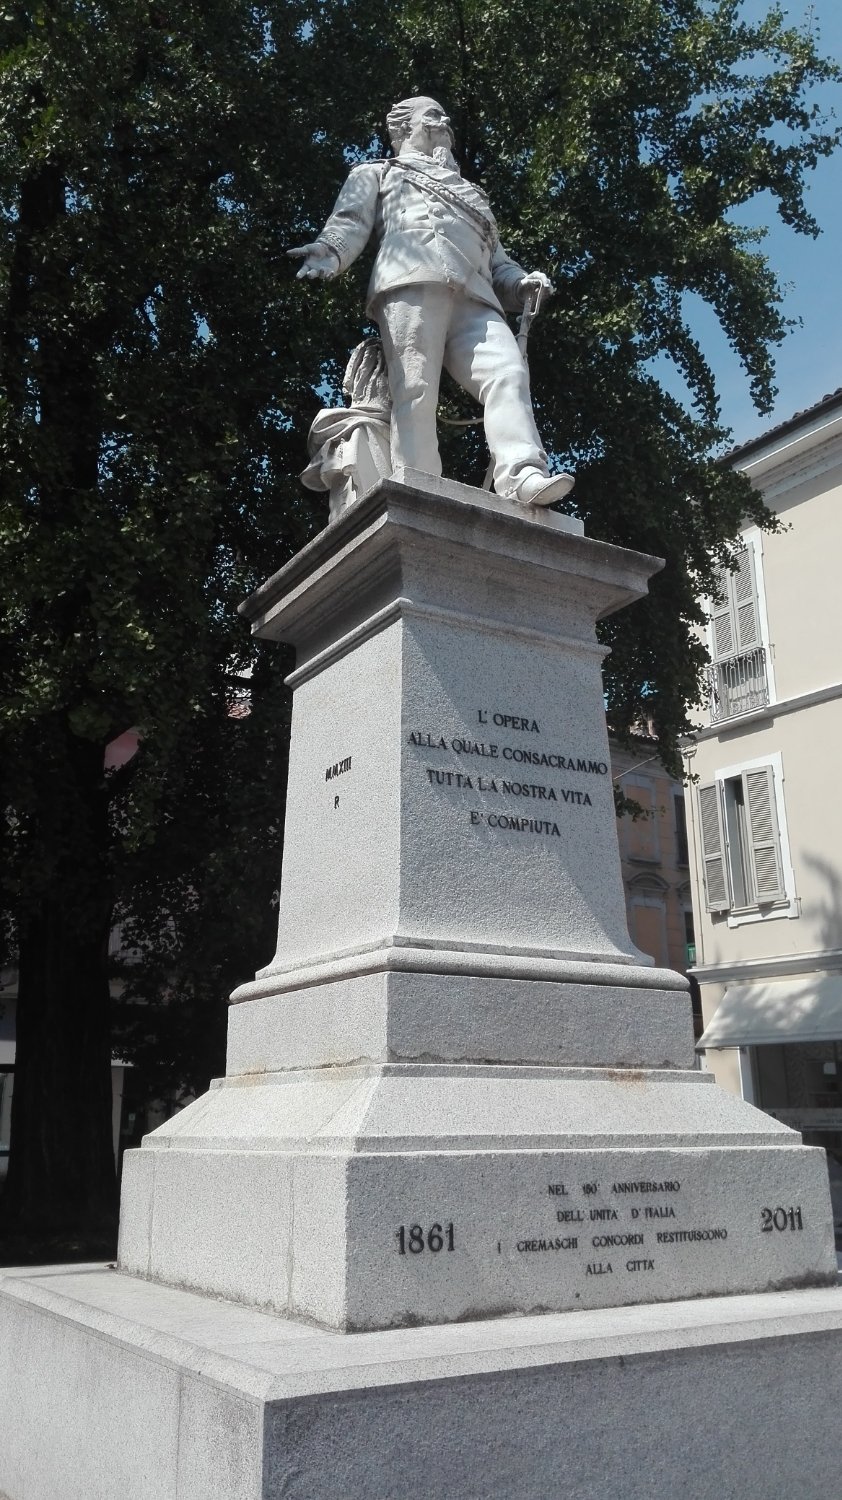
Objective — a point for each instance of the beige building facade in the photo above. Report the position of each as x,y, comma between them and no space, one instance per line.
764,814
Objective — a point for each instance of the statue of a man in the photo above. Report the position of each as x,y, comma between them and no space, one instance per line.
440,283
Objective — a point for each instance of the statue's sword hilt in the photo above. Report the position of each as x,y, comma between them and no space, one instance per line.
527,318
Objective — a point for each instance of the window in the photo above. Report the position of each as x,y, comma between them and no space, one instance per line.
689,936
641,832
647,913
745,863
682,855
738,676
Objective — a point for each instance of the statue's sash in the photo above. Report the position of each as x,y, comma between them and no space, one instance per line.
466,199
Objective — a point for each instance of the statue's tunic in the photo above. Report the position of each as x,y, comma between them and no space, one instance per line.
442,232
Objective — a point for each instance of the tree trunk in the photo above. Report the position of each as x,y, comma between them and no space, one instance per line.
61,1178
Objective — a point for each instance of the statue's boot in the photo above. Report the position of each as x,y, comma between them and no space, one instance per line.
538,489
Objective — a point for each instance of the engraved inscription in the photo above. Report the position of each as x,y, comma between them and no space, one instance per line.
414,1240
517,754
338,768
500,782
780,1218
689,1236
634,1225
669,1186
509,721
570,1243
515,825
448,778
604,1234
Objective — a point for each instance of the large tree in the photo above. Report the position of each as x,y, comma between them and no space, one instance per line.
159,365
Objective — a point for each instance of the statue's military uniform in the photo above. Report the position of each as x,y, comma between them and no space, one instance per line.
438,288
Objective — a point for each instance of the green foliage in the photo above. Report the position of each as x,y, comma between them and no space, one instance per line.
159,366
157,370
198,909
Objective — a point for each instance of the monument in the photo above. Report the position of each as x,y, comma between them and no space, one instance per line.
439,285
458,1097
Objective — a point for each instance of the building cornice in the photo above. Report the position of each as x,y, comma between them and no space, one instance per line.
730,728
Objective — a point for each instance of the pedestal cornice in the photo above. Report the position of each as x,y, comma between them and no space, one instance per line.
412,531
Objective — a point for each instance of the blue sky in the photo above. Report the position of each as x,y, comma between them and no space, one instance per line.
809,362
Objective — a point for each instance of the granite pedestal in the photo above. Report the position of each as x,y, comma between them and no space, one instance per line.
458,1090
457,1097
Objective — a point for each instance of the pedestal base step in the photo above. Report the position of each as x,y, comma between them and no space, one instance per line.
110,1386
374,1198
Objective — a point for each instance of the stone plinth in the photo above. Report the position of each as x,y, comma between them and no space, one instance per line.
115,1387
451,886
450,806
458,1090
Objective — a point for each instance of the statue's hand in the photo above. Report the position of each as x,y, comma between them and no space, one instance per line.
532,283
321,262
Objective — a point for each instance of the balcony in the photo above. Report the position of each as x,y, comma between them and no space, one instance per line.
738,684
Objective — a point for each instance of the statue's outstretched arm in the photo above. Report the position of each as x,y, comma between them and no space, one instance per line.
347,231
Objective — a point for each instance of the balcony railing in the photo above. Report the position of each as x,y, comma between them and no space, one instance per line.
738,684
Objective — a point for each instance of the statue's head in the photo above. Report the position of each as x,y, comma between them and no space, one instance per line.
420,124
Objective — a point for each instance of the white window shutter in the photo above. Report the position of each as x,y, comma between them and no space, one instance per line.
764,835
717,891
744,590
723,637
